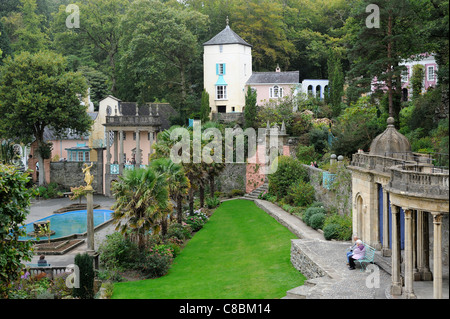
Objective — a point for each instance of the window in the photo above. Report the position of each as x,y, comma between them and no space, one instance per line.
221,92
220,68
80,156
86,156
221,48
431,75
276,92
405,76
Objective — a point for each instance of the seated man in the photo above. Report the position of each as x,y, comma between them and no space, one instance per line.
358,253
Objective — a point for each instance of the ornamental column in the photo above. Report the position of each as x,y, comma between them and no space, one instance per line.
116,148
396,285
437,255
409,260
121,152
386,251
138,148
108,147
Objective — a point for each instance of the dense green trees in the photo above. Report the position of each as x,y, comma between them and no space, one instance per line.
37,92
151,50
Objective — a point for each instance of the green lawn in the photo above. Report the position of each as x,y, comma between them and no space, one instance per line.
241,252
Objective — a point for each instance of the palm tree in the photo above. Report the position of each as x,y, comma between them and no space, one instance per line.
142,202
177,181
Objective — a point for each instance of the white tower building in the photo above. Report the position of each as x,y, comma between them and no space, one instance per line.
227,65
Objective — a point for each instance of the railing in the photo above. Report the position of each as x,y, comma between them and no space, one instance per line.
51,271
421,180
377,162
133,120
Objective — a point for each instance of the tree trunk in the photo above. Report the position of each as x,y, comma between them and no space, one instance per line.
202,196
179,209
211,186
191,201
40,144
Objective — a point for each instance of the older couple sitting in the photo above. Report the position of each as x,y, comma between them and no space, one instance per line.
357,251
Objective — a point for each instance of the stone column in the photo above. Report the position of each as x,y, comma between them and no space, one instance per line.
138,148
121,163
425,272
416,274
108,149
116,148
90,221
437,255
396,285
150,134
386,251
420,248
409,260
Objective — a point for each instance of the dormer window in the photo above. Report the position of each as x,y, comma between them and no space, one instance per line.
275,92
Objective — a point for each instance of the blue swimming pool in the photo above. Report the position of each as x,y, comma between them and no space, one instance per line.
70,223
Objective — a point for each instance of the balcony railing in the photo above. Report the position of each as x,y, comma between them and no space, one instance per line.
128,120
421,180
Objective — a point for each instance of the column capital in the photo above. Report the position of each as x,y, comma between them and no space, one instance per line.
437,217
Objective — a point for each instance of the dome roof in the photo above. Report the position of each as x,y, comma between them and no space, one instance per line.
390,143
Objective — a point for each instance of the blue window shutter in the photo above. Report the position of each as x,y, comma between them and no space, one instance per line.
224,68
217,68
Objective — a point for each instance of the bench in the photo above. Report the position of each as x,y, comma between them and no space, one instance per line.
369,257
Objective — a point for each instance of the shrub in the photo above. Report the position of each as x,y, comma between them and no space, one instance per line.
86,274
237,192
316,221
162,250
117,252
342,229
300,193
195,222
331,231
153,264
289,171
178,231
310,212
212,202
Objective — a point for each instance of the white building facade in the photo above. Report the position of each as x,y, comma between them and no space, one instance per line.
227,65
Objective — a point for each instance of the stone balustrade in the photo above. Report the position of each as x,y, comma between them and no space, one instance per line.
129,120
416,179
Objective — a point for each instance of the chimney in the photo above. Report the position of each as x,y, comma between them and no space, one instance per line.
277,69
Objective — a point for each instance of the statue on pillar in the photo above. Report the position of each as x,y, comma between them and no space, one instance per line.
88,177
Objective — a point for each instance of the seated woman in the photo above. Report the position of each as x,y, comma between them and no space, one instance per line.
358,253
350,251
42,262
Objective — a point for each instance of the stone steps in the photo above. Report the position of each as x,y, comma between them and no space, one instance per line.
311,289
256,192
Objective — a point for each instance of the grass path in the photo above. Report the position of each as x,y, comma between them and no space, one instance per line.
241,252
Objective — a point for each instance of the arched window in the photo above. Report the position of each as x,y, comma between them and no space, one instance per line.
318,91
276,92
310,89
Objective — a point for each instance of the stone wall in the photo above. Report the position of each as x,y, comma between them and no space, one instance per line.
232,177
340,199
303,263
70,174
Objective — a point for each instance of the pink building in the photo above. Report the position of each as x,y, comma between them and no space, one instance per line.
429,80
273,86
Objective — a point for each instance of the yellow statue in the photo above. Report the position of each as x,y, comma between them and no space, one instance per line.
88,178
